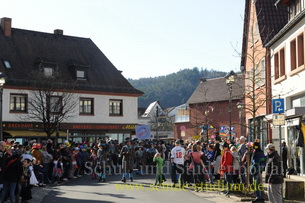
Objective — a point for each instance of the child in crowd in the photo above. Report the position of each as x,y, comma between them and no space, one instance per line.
160,163
24,183
57,170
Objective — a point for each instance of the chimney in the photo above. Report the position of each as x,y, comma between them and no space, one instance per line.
6,25
58,32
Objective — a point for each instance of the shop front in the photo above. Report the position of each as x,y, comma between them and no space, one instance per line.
77,132
295,120
261,130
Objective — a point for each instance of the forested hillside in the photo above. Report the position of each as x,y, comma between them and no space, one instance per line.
173,89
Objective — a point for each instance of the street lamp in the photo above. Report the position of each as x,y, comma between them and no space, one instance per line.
2,82
230,78
157,118
240,106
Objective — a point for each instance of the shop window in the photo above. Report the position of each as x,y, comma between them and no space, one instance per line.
18,103
115,107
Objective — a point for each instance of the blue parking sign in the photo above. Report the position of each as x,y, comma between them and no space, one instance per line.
278,106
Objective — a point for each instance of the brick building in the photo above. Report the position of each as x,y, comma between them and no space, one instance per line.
209,105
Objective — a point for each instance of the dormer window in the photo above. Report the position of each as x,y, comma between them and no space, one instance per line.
80,74
48,71
7,64
78,70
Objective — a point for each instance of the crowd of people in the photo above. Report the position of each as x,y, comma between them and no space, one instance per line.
191,163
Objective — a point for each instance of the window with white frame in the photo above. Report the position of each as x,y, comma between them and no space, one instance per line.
86,106
18,103
279,64
115,107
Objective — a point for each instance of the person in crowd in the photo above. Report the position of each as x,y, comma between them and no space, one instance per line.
36,152
246,160
102,154
226,166
241,152
197,166
2,162
236,166
177,161
46,160
159,173
140,157
151,151
188,175
38,171
24,187
284,157
12,174
128,155
66,160
94,160
210,161
74,168
258,163
217,158
274,176
58,170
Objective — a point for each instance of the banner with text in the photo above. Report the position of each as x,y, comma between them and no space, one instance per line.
143,132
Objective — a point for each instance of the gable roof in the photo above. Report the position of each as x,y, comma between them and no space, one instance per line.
271,20
214,90
24,48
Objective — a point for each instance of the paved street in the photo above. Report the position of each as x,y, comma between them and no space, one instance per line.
87,190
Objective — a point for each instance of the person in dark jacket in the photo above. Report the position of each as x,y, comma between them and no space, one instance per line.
2,162
284,157
274,175
258,162
12,174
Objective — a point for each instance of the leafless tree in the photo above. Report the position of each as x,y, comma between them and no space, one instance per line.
51,101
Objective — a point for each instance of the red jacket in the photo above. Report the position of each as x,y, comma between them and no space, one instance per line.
226,163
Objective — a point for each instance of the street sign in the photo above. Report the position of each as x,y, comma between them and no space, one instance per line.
162,119
278,106
182,133
183,128
278,120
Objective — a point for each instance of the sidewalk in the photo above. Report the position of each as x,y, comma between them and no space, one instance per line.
38,193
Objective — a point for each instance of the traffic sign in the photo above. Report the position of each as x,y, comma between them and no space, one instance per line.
278,106
183,128
278,120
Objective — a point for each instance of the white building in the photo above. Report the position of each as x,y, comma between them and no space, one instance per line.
288,79
105,102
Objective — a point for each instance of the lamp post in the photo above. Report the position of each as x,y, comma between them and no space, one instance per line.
230,78
2,82
157,118
240,107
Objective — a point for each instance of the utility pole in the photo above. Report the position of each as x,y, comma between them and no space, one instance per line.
157,118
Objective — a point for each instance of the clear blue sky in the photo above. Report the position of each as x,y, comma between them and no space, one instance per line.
143,38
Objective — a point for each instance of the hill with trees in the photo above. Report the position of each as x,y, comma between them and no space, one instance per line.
173,89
